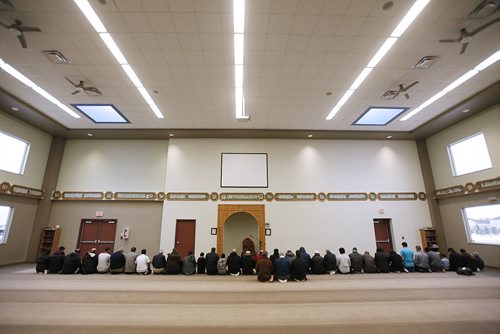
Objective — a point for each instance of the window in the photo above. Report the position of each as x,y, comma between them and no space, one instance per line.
482,224
14,153
469,155
5,219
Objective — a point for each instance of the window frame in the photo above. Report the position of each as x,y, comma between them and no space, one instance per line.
468,232
452,160
22,166
8,222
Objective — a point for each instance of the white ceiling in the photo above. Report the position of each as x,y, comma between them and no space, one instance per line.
295,52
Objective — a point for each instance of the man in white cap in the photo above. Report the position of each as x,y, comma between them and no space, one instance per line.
247,263
282,268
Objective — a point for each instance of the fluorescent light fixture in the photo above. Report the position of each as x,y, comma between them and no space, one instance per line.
101,113
238,100
68,110
46,95
482,66
16,74
19,76
379,116
156,110
99,27
488,61
239,16
238,75
239,49
239,42
132,76
145,95
333,112
382,51
346,97
110,43
412,14
433,99
91,15
361,77
460,80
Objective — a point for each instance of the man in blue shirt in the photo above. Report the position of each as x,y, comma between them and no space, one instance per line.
407,255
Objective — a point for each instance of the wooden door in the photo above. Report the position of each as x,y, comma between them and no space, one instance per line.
96,233
383,236
185,231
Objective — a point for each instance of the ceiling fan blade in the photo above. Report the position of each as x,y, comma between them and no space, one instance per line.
449,40
71,82
411,85
475,31
464,47
75,92
23,41
23,28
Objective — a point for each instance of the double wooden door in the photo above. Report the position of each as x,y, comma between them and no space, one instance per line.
97,233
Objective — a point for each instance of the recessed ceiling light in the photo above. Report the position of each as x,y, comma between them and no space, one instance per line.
389,137
309,136
14,108
89,134
388,5
466,110
171,134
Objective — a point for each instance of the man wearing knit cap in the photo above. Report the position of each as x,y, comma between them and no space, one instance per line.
317,264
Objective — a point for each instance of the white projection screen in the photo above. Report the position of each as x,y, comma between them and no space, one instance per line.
243,170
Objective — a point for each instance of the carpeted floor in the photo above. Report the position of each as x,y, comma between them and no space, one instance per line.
365,303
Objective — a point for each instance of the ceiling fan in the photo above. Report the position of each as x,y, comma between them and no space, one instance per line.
466,36
392,94
81,87
18,29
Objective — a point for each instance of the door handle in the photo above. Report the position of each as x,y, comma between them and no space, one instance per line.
177,242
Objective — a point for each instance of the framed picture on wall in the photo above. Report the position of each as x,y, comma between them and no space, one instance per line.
267,231
213,231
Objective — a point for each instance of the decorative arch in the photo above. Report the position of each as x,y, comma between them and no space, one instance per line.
226,210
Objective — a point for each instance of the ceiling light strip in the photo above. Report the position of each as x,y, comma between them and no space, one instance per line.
410,16
19,76
469,74
239,48
99,27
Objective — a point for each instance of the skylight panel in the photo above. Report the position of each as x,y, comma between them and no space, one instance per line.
101,113
379,116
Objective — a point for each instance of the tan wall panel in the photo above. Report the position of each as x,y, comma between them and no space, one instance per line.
142,219
20,229
456,237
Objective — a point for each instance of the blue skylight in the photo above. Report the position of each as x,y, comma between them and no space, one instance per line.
101,113
379,116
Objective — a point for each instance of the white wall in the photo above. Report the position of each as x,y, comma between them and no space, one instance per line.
113,165
38,153
489,123
303,166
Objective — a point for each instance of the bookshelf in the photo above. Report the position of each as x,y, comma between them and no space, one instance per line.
428,237
50,240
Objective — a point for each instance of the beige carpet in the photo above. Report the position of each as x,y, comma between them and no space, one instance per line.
364,303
